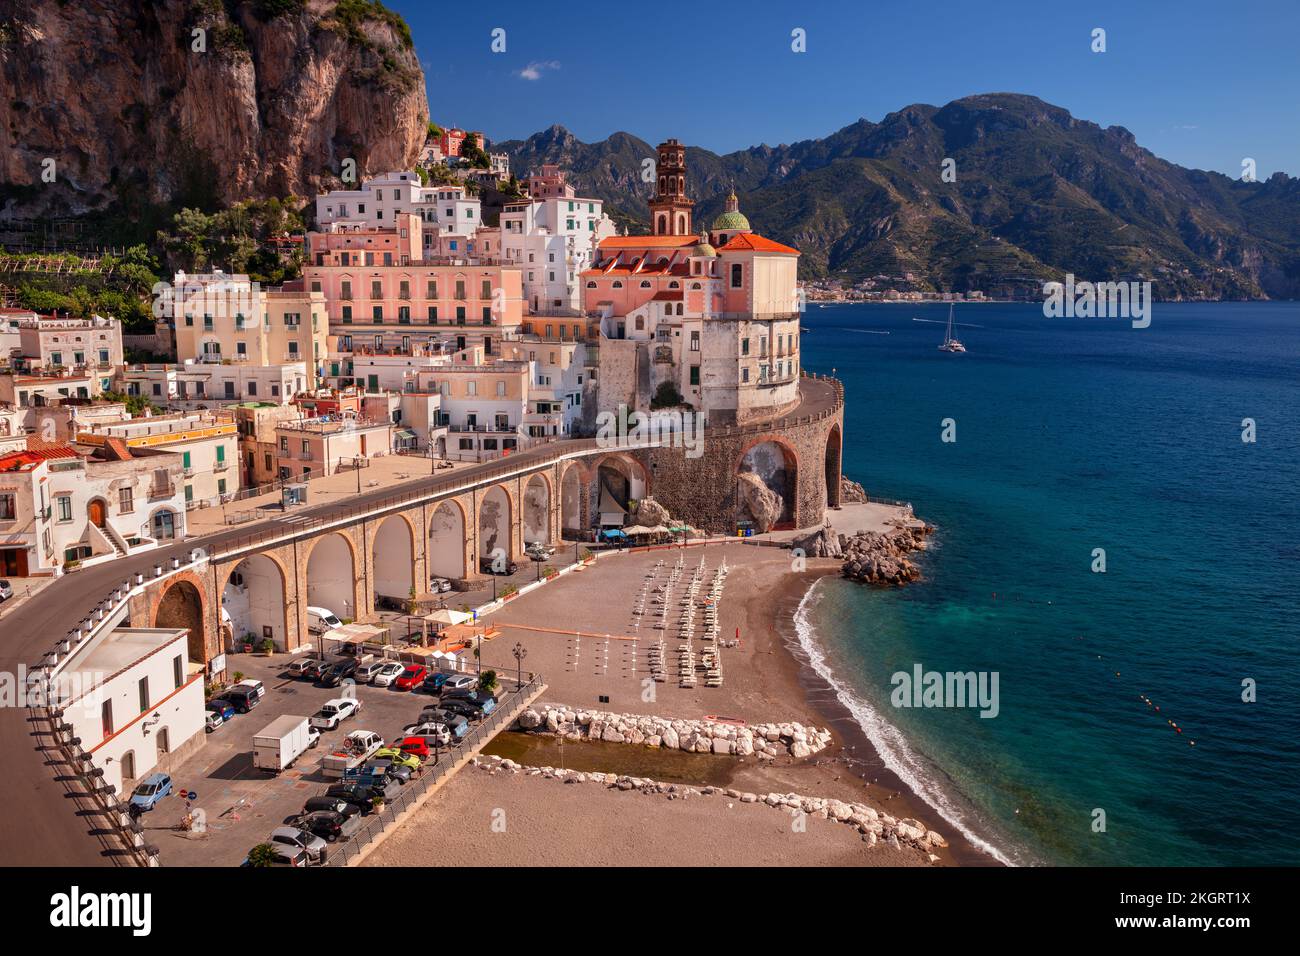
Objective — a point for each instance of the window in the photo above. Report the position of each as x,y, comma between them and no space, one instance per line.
695,375
695,341
744,375
65,507
144,694
106,718
471,387
346,292
126,500
737,275
376,289
486,291
178,670
501,389
460,288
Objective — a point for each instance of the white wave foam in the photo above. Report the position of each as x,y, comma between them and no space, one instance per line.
885,738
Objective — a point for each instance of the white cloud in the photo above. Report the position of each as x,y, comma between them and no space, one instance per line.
534,70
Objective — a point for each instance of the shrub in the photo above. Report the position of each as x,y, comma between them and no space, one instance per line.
261,855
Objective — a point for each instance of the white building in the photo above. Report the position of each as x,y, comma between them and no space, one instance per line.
135,700
552,236
448,212
59,509
196,384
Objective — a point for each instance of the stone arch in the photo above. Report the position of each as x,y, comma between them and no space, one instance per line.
331,571
392,559
834,466
181,606
571,482
445,555
164,523
254,592
767,469
617,480
535,510
495,521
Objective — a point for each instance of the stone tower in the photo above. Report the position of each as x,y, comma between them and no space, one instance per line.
670,210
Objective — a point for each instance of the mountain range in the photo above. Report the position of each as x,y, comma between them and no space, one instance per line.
1032,193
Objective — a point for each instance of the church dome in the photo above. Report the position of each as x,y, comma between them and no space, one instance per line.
731,219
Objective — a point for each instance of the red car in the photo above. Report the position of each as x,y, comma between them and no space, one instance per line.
416,746
413,676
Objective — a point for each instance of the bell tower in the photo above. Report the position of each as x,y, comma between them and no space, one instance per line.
670,210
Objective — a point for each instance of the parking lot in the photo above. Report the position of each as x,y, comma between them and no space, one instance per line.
241,805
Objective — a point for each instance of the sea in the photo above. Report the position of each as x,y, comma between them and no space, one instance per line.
1109,545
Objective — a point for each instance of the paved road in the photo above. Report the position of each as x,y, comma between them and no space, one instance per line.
40,825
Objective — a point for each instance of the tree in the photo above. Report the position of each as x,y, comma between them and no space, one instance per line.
262,855
666,396
487,682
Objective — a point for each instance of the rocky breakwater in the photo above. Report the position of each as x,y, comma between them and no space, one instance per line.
873,557
765,741
875,826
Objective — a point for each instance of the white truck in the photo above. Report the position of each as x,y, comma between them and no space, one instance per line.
280,743
358,747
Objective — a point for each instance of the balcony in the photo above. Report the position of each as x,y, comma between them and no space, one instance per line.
159,492
220,466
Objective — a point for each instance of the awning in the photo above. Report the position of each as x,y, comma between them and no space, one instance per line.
448,616
405,434
613,533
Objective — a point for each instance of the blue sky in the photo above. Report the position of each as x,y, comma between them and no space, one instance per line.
1201,84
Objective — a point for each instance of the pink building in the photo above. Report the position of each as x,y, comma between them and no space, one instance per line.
380,286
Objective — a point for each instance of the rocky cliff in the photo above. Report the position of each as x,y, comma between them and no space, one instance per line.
199,101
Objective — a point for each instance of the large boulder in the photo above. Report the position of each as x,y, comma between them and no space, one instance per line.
650,513
757,502
851,491
530,719
822,543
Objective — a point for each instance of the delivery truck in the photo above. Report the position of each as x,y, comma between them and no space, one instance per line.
280,743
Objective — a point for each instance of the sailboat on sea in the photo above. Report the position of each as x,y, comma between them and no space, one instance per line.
950,343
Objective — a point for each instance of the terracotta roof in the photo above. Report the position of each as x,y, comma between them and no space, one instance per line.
666,296
647,242
43,451
752,242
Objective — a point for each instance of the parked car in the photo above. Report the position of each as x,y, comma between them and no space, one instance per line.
253,685
222,708
413,676
456,724
7,591
152,789
316,668
486,703
390,671
491,566
384,777
332,804
365,673
422,745
539,550
313,736
439,585
337,673
315,847
330,825
433,683
212,720
464,708
307,667
243,699
356,794
334,712
459,682
398,757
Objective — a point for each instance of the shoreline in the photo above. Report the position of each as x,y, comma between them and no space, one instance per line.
866,762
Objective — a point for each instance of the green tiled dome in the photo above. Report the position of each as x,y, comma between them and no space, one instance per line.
731,221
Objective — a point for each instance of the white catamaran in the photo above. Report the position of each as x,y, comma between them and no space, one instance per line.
950,343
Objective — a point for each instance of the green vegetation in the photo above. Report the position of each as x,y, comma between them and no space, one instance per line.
270,9
117,286
136,405
488,682
234,239
351,15
472,153
434,131
262,855
666,396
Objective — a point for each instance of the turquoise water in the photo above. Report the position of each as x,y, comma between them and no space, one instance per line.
1072,435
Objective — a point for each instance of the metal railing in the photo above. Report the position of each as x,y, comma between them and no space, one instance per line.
377,825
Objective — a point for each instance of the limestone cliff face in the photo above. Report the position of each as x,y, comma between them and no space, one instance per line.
115,93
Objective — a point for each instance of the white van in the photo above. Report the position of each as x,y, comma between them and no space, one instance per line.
321,619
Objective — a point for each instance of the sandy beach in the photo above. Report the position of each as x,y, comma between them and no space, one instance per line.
579,633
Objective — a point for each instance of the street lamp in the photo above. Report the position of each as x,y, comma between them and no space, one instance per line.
537,559
520,653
